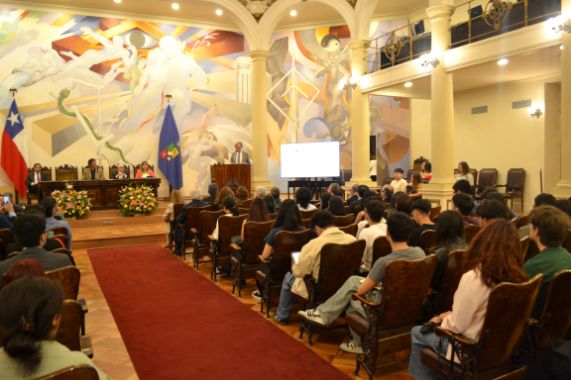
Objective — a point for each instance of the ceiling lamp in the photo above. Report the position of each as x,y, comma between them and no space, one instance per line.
175,6
219,12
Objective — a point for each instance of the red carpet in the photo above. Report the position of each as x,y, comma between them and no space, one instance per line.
176,324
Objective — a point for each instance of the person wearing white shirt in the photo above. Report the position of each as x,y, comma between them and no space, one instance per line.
376,227
398,183
464,173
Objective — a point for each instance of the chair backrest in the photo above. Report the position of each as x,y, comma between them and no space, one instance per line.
228,226
2,250
555,320
68,277
453,272
254,243
287,242
207,223
70,325
306,222
524,241
520,221
338,263
138,167
470,231
113,170
345,220
308,214
66,173
405,288
76,372
176,208
381,247
351,229
6,235
509,307
193,216
46,171
427,240
515,180
434,212
246,203
487,178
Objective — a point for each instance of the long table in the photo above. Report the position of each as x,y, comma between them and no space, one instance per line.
104,193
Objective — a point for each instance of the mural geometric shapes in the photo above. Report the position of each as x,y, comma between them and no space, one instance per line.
108,23
222,81
239,113
216,43
56,133
74,44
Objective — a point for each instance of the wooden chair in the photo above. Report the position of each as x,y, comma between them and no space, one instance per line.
66,173
434,212
308,214
245,258
60,233
509,307
487,178
338,263
206,224
386,326
68,277
345,220
69,329
64,251
47,172
187,229
270,276
381,247
520,221
525,241
515,186
171,239
306,223
246,204
76,372
228,226
453,271
113,170
470,231
427,241
351,229
6,237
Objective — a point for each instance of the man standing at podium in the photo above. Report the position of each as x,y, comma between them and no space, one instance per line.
239,157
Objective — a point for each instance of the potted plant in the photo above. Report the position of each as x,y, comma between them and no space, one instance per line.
137,200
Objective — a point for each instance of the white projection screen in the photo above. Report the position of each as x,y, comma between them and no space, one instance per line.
319,159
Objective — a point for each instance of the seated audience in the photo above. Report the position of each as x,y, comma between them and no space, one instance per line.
302,197
376,227
30,314
414,187
229,207
492,209
464,204
449,238
92,171
543,199
275,193
336,206
421,215
288,219
261,191
309,262
180,220
258,213
34,178
399,226
121,173
464,173
462,186
492,193
270,204
242,194
387,192
212,191
31,234
353,194
7,215
50,206
549,228
426,171
335,189
362,190
168,216
492,260
399,183
144,171
51,243
225,192
401,202
24,268
325,197
564,205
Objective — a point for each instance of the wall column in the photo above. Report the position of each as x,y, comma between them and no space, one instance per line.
259,119
442,107
360,125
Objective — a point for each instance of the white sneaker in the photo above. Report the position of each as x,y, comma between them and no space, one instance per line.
351,347
313,316
256,295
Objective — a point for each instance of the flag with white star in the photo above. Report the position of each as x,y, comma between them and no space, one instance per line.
11,158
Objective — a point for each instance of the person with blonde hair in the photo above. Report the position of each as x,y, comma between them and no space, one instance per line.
121,174
168,216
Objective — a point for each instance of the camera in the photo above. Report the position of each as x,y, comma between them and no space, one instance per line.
6,198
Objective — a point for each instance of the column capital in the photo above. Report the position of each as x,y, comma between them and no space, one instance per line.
257,55
439,11
359,44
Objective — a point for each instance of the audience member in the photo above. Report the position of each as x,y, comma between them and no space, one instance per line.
401,202
242,194
270,204
309,262
543,199
30,314
491,260
261,191
564,205
462,186
492,209
449,238
7,215
464,204
28,267
180,220
387,192
30,232
144,171
399,226
549,228
335,189
51,243
399,183
275,193
464,173
168,216
225,192
353,194
302,197
413,188
258,213
212,191
230,208
421,215
492,194
336,206
325,197
426,171
376,227
52,223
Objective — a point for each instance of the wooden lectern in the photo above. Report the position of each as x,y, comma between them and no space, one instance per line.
231,175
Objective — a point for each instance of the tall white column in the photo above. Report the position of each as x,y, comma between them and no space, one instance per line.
259,119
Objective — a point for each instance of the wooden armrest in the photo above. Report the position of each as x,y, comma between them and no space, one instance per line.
363,300
502,185
235,247
211,237
458,337
262,260
194,231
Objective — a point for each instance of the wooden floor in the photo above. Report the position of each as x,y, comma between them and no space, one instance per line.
110,352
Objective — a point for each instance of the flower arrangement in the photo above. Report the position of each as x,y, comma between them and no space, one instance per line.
137,200
72,202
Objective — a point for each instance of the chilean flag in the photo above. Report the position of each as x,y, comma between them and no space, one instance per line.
11,159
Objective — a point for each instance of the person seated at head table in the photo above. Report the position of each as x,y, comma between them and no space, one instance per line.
34,178
31,314
144,171
121,173
92,171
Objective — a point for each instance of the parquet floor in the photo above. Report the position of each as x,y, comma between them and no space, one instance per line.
112,357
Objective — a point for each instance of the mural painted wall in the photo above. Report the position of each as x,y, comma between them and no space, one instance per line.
95,87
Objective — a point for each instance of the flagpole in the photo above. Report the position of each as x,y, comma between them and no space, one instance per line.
13,92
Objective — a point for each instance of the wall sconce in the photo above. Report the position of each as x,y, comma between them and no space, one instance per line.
559,24
429,61
347,83
537,113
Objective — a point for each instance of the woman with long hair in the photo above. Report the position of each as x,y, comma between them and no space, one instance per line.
336,206
258,213
144,171
464,173
30,314
225,192
413,188
302,197
242,194
492,259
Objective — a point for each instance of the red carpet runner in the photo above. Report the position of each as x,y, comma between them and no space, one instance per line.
178,325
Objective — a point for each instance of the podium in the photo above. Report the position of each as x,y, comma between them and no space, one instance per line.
231,175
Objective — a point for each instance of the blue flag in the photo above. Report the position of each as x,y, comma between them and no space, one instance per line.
170,158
